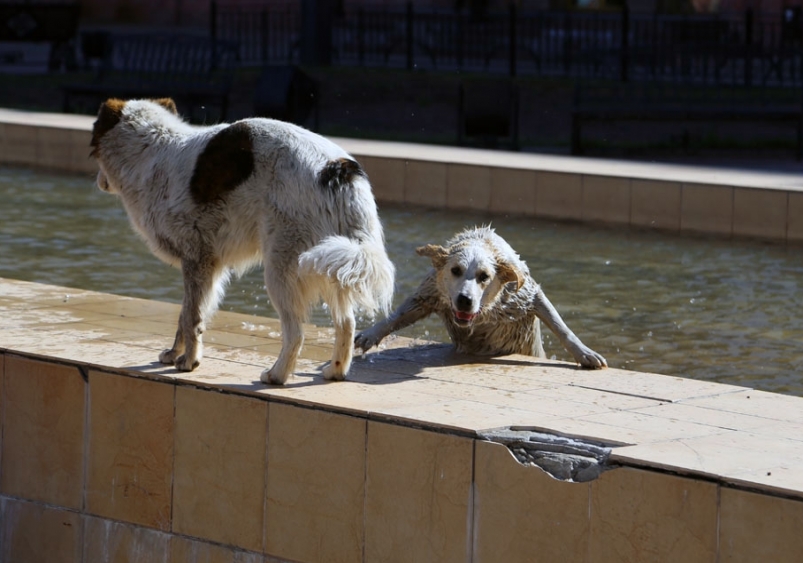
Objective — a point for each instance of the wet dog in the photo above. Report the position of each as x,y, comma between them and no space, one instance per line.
487,300
214,201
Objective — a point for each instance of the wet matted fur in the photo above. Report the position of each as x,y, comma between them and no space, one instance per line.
217,200
487,300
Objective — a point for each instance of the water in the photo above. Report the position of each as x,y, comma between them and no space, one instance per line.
727,311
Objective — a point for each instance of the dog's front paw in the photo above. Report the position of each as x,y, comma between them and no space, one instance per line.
334,373
271,377
590,359
366,340
183,363
168,357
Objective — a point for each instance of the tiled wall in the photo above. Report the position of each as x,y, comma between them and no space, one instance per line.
57,147
667,205
600,194
98,467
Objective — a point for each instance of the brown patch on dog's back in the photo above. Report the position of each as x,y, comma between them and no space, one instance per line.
108,116
226,162
339,173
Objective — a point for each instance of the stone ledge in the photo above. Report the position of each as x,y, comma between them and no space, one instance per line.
729,434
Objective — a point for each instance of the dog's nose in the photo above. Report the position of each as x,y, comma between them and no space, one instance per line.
463,302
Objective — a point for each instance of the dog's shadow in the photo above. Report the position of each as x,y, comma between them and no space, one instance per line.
381,367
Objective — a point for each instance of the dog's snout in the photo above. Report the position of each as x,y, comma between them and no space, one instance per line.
464,302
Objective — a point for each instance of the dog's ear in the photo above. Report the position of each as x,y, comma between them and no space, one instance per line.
508,273
168,104
436,253
108,116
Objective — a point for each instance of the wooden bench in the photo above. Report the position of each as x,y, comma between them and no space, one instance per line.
656,102
197,72
46,22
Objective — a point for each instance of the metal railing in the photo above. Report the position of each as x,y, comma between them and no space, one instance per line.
742,49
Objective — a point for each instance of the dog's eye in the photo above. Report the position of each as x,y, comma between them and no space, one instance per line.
482,277
457,271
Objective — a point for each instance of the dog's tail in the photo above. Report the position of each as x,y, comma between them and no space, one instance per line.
360,267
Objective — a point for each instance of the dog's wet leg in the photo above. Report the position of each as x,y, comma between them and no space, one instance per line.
169,356
411,311
342,354
199,291
292,341
287,297
582,354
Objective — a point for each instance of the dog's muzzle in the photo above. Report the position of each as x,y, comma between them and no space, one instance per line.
463,314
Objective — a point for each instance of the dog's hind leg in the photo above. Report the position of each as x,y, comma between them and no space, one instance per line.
203,283
343,317
287,297
292,340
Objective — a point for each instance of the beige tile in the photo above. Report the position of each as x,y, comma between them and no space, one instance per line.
43,432
316,477
20,144
513,191
165,329
641,516
464,417
186,550
709,417
106,541
794,219
655,204
219,467
569,401
484,377
455,389
386,176
130,307
558,195
783,478
468,187
130,451
33,532
80,161
54,148
521,511
418,487
773,406
760,213
644,428
706,209
759,461
646,385
755,527
226,339
425,183
606,199
350,398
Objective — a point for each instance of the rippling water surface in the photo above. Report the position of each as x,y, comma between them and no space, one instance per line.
727,311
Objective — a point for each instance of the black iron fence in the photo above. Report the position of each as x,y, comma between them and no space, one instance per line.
745,48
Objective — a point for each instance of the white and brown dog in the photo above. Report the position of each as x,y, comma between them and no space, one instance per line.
486,298
217,200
